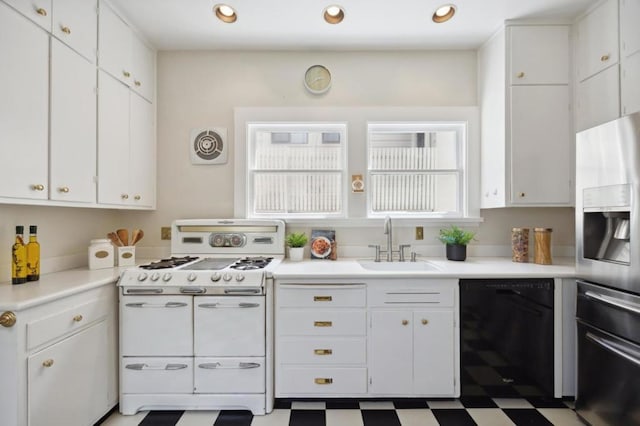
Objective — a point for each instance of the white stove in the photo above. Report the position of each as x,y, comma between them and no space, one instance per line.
196,329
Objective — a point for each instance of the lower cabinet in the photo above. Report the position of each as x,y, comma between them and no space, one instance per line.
367,339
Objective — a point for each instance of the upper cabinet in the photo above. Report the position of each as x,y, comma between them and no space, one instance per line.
39,11
597,38
629,28
630,53
526,120
75,23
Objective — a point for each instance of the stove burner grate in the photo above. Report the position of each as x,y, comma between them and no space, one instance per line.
171,262
251,263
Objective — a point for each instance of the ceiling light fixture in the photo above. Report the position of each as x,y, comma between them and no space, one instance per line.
333,14
444,13
225,13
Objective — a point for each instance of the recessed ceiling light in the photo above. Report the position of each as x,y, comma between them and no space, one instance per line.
333,14
225,13
444,13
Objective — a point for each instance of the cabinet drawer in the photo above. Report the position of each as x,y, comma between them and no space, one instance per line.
229,375
321,322
156,375
434,296
52,327
322,381
323,296
319,350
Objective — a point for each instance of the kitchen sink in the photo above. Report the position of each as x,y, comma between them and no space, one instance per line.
420,265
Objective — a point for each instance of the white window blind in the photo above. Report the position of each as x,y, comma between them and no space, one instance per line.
416,169
296,170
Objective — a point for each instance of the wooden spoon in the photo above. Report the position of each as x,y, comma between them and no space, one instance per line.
137,236
123,234
114,239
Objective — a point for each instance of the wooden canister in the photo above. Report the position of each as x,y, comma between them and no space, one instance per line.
542,238
520,245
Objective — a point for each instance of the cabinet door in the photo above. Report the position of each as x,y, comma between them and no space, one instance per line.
630,84
67,382
143,65
142,173
113,141
75,23
73,126
24,111
629,28
597,39
598,99
540,145
39,11
539,54
114,44
391,352
433,345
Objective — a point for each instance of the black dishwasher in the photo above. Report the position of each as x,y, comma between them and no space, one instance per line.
506,337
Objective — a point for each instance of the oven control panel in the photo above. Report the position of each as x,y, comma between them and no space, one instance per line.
227,240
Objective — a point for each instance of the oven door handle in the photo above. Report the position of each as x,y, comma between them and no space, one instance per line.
626,353
618,303
243,291
221,306
218,366
157,305
142,366
144,290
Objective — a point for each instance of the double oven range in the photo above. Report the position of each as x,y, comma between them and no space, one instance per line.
195,329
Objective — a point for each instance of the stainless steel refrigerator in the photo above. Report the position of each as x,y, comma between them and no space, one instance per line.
608,271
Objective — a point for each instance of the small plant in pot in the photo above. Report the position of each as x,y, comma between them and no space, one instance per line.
296,242
456,240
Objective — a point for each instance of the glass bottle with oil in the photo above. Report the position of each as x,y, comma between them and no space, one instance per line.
33,255
19,258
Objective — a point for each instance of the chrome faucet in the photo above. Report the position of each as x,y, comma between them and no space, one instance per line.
388,231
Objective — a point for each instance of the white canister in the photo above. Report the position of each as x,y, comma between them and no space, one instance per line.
101,254
126,256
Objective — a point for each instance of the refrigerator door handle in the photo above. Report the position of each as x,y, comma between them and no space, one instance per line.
617,349
618,303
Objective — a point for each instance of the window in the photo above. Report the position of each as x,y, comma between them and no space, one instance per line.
416,169
296,170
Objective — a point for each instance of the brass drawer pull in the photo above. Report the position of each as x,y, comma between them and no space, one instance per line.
137,83
405,322
66,30
604,58
323,380
323,351
425,321
126,74
322,324
42,12
8,319
47,363
37,187
520,74
322,298
77,318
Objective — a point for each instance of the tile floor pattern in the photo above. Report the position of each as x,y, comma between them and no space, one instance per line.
402,412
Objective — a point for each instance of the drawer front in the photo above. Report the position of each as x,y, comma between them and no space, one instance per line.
321,322
299,350
321,296
52,327
230,375
328,381
156,375
432,296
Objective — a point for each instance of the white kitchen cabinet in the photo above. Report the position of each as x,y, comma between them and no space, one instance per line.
597,40
126,146
73,126
526,121
629,28
598,99
75,23
630,84
144,69
24,121
38,11
59,358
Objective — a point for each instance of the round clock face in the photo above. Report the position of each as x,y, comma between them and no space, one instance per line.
317,79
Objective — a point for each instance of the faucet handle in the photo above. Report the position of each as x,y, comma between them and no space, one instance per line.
377,248
413,256
401,248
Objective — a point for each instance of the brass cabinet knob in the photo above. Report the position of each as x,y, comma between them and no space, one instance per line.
8,319
125,196
425,321
137,198
37,187
137,83
64,189
47,363
77,318
604,58
126,74
521,194
520,74
66,30
405,322
42,12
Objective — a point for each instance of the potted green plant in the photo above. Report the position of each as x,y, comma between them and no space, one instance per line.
296,242
456,240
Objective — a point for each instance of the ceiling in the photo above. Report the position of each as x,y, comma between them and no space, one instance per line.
298,24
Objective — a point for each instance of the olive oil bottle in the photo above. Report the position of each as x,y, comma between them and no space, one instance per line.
33,255
19,258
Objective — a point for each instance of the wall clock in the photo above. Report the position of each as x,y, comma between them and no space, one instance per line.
317,79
